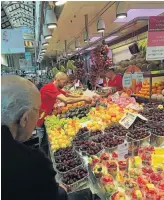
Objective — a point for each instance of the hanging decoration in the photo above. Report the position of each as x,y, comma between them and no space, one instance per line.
99,61
80,71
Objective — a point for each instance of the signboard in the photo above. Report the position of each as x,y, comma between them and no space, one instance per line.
155,44
132,80
156,23
27,55
12,41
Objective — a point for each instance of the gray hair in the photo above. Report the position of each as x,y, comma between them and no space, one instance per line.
16,97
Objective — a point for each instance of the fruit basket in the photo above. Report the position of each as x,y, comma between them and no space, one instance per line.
62,159
69,162
80,172
139,140
111,145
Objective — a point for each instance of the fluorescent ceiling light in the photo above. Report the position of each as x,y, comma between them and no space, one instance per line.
51,20
46,32
100,26
60,2
90,48
111,38
93,39
121,15
134,13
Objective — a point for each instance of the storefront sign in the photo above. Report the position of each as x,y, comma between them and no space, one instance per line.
156,23
155,45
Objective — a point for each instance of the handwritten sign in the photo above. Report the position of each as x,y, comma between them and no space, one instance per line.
115,96
127,120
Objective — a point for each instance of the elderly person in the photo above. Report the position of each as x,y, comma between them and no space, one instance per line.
26,173
52,92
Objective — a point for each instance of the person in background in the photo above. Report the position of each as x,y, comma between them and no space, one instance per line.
52,92
113,79
26,173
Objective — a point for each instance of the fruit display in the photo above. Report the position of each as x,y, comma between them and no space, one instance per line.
74,176
68,165
95,133
108,184
138,134
113,142
82,132
65,157
62,151
116,130
101,138
76,112
118,196
91,148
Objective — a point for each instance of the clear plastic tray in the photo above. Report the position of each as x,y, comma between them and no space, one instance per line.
62,173
156,140
67,160
74,186
83,136
73,150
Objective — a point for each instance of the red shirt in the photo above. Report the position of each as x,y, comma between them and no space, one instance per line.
49,93
116,82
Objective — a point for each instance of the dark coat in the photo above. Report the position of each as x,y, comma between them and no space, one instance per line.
26,173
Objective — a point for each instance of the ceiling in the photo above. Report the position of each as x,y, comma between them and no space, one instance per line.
71,22
17,13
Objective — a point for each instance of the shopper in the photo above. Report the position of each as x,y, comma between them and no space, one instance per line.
26,173
114,80
52,92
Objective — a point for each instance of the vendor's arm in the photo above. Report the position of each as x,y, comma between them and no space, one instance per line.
70,100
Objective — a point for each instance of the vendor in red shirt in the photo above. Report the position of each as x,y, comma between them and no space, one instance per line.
113,79
52,92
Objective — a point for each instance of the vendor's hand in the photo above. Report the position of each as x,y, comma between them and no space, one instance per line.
87,99
62,186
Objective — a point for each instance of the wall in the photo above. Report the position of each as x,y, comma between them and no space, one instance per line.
121,50
4,60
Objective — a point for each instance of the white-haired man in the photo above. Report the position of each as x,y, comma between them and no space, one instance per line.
26,173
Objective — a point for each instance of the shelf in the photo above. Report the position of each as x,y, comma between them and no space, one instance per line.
154,73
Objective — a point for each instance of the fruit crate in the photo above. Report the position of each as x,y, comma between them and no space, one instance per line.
62,173
139,143
74,186
156,140
83,136
67,160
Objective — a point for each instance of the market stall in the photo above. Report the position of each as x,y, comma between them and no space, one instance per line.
114,147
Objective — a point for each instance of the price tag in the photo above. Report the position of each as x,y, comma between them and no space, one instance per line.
142,117
123,151
128,119
115,96
134,107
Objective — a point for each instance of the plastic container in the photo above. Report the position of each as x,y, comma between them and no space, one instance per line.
84,136
62,173
156,141
67,160
57,156
74,186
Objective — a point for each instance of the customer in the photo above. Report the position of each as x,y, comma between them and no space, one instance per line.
26,173
52,92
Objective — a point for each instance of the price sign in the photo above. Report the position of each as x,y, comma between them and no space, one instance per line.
115,96
134,107
123,151
142,117
128,119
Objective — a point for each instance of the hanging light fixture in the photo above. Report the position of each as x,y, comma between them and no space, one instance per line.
51,20
121,11
43,41
60,2
46,32
100,26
